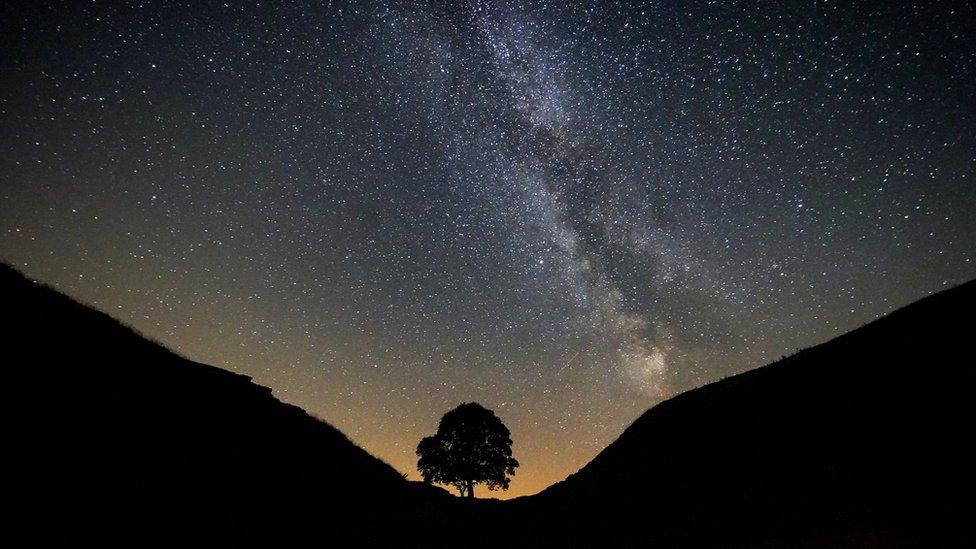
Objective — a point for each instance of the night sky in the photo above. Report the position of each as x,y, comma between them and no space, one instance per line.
565,211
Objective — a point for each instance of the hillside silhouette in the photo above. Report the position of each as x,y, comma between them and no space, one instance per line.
866,440
115,438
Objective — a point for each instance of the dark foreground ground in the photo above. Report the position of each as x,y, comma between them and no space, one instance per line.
864,441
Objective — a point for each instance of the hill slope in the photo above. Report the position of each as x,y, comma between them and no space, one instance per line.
863,441
866,439
113,437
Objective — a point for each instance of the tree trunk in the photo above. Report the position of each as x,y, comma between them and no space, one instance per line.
470,489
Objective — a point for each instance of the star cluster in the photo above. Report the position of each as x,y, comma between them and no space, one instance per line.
567,211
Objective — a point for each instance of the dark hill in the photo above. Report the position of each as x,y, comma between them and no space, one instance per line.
866,440
112,437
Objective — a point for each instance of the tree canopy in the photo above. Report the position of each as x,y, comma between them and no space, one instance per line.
471,446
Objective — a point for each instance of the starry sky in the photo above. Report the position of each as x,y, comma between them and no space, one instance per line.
567,211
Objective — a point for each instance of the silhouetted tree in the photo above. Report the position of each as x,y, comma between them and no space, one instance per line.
472,446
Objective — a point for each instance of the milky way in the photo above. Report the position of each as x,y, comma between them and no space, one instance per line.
566,211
